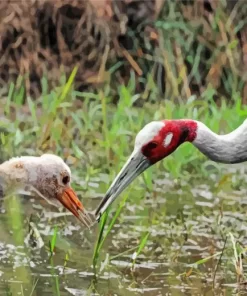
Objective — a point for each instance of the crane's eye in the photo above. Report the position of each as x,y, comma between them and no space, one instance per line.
147,149
151,145
65,180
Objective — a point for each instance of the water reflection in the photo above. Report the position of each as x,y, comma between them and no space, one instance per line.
186,223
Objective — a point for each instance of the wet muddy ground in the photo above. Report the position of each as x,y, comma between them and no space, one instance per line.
188,221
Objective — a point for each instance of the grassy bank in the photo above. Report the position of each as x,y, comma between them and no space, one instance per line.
88,127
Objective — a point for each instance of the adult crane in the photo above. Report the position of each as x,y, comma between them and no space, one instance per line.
158,139
47,176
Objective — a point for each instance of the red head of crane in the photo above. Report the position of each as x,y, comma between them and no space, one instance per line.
158,139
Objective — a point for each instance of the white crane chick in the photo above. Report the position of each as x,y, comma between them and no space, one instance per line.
47,176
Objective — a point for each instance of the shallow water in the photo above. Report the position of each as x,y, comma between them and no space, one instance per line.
187,220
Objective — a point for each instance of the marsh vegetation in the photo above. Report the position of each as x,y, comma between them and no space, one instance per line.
179,228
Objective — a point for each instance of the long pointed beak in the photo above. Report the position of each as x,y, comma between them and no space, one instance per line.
135,165
69,199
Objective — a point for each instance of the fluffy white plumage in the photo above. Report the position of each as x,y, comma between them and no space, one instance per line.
47,176
26,173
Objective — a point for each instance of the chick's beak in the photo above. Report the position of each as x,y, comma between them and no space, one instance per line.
70,201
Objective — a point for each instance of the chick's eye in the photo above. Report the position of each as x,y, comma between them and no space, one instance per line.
65,180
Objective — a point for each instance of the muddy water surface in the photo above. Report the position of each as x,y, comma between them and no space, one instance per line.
187,220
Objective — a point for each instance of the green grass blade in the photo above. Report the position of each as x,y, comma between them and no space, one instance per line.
97,245
140,248
68,85
53,240
204,260
9,98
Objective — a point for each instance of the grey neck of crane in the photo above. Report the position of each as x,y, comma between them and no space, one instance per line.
229,148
